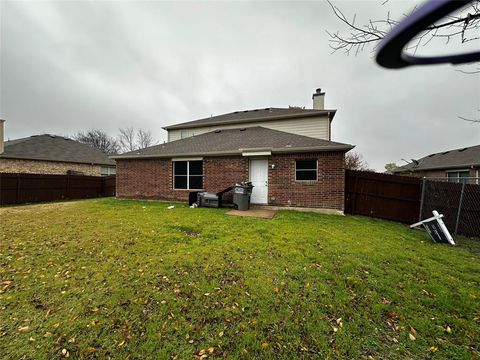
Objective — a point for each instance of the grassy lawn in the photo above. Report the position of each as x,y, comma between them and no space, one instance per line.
128,279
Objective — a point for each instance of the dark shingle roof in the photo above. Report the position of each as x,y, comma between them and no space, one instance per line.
234,141
54,148
451,159
252,115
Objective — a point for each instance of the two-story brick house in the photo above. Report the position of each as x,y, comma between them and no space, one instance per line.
287,153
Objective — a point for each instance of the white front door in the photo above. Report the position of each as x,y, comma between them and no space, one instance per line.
259,179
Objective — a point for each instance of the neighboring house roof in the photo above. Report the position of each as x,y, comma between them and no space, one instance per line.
451,159
54,148
245,116
236,141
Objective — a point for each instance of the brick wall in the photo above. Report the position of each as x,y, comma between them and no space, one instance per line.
46,167
147,179
152,179
442,174
326,192
222,172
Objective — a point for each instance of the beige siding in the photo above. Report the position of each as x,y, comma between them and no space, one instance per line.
317,127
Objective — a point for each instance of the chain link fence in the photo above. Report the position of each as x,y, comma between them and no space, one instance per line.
459,202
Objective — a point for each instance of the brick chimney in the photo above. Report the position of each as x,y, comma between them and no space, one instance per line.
2,147
318,99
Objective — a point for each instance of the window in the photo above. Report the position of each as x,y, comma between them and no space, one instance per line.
188,174
458,176
183,134
104,171
305,170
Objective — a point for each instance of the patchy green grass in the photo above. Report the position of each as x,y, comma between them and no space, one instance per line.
131,279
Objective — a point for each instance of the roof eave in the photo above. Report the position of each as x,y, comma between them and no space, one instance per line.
342,148
16,157
329,113
456,166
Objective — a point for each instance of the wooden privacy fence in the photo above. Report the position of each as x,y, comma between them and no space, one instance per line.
26,188
402,198
383,196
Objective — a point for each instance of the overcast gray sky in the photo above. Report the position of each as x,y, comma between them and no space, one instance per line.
68,66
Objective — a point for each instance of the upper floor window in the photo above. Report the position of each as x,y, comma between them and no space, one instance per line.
183,134
458,176
306,170
188,174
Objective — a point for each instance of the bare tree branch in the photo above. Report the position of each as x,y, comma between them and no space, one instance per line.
145,138
126,138
463,25
100,140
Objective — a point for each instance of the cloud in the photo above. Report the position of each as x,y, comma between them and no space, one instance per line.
71,66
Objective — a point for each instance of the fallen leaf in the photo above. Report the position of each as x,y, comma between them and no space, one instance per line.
91,350
121,343
220,333
277,290
411,337
448,329
264,345
23,329
95,309
433,349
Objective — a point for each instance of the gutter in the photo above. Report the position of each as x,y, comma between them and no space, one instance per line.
459,166
16,157
329,113
238,152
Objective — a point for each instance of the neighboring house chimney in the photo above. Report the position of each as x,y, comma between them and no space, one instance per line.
2,122
318,99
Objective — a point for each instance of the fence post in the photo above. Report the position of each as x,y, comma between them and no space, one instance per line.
459,208
17,200
67,186
422,199
102,186
354,197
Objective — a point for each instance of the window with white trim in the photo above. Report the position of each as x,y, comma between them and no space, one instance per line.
458,176
305,170
188,174
105,171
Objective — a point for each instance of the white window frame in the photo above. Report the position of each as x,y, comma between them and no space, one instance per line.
188,173
457,178
183,134
110,170
316,169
